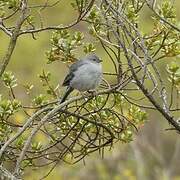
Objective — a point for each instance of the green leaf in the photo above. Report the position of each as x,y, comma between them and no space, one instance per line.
89,47
9,80
40,100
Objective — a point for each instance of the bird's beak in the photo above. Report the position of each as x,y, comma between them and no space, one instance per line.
100,60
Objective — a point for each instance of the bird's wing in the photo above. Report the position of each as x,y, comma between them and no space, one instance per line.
68,79
72,69
76,65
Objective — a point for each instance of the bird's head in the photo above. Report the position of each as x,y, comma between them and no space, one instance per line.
93,58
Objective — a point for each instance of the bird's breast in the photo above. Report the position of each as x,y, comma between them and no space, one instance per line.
87,77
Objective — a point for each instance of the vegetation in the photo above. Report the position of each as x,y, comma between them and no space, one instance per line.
134,84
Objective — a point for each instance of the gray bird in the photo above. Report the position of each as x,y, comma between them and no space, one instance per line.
84,75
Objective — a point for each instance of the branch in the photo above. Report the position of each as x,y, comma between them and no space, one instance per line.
25,126
48,116
163,19
5,174
147,58
30,31
14,37
150,97
60,27
4,29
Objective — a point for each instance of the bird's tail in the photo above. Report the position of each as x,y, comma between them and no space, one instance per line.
66,94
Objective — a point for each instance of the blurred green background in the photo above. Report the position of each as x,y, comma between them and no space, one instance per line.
153,155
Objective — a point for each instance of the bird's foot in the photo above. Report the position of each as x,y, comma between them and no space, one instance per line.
92,92
89,92
84,95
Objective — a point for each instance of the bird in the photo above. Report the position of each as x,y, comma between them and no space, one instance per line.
84,75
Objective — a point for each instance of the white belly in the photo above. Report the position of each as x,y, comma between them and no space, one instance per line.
87,77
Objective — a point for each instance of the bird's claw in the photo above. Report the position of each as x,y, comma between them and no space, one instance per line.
93,92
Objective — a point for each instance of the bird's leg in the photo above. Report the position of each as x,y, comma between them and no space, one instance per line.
84,95
93,92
